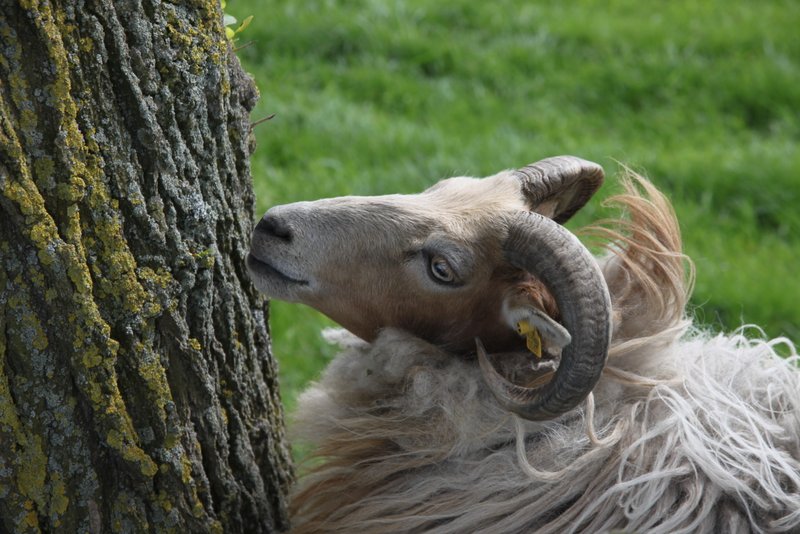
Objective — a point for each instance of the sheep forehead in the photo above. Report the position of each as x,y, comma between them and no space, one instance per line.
475,196
463,205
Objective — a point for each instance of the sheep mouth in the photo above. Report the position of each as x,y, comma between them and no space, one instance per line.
261,268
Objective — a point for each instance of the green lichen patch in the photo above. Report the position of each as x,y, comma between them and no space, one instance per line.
58,497
200,40
151,372
33,469
194,344
131,452
159,278
206,258
24,454
127,514
43,169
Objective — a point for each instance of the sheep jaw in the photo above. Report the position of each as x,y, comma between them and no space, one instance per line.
272,281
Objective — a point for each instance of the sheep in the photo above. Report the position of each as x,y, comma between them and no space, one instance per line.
435,416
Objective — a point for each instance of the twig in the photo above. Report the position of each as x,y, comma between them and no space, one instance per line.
259,121
249,43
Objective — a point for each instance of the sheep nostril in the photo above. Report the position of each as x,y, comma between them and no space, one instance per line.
274,226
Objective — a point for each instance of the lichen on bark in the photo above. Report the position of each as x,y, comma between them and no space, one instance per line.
136,386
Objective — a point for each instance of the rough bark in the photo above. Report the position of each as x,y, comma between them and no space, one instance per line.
137,389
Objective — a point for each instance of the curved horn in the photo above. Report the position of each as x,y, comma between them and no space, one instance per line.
568,181
555,256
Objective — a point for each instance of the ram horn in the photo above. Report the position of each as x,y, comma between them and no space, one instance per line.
555,256
560,186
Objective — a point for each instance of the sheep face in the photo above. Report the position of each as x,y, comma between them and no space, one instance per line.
429,263
466,259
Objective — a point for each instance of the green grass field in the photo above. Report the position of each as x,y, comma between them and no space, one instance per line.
377,97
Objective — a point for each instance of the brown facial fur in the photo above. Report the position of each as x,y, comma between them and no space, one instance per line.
366,261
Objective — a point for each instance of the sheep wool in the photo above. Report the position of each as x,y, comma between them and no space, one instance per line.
413,441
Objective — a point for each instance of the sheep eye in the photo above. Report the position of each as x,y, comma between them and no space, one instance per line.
441,270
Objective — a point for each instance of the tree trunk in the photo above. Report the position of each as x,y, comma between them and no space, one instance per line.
137,389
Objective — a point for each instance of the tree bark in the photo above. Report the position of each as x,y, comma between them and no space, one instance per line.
137,388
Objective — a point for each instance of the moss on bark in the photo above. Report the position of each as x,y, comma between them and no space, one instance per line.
136,386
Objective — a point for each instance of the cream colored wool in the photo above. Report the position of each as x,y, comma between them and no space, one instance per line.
715,449
686,431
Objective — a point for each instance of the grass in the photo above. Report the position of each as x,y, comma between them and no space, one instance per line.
379,96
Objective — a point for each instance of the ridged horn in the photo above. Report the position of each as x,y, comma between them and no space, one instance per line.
567,180
550,252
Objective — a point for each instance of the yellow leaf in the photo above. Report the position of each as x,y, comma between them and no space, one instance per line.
245,23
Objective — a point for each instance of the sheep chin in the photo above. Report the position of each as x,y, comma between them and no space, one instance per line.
273,282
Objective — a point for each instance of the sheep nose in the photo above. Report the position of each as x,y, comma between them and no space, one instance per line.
274,226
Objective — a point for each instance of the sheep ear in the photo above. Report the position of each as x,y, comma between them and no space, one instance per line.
538,327
558,187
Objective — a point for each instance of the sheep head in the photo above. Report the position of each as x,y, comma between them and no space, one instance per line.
465,259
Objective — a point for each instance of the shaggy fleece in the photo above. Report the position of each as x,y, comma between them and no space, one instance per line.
413,441
685,432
